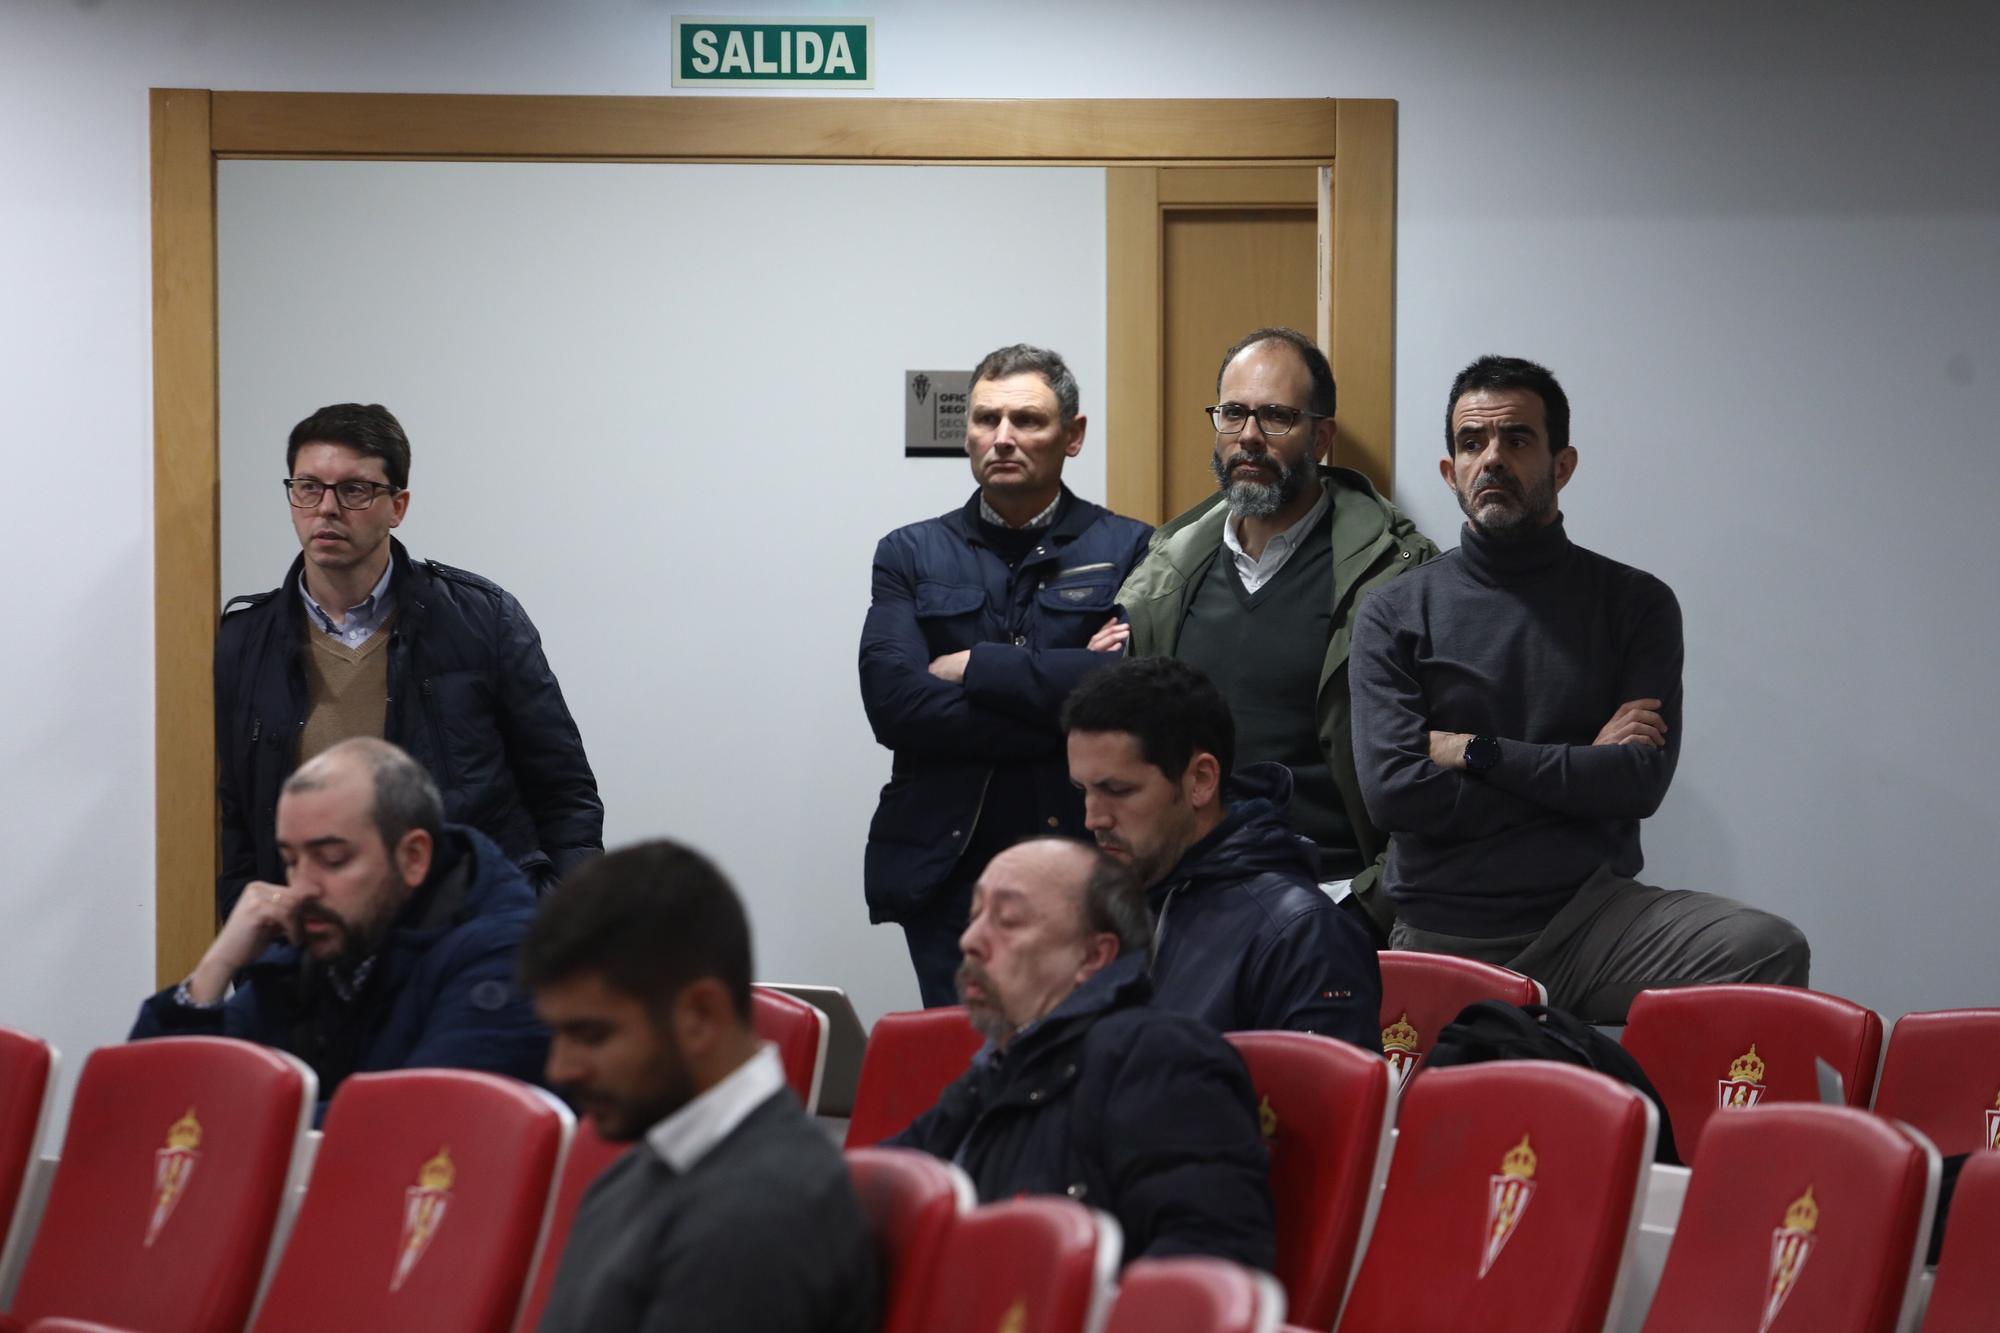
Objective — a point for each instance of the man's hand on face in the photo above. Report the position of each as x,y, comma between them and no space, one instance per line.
951,666
1637,722
1111,638
263,914
1448,749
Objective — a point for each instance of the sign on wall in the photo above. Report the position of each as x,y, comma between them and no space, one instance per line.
773,53
934,403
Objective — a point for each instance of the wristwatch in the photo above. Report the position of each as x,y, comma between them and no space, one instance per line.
1481,753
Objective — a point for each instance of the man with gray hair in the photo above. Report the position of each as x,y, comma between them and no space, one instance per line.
980,622
390,945
1084,1088
1259,587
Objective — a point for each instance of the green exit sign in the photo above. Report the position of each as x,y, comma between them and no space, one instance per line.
774,53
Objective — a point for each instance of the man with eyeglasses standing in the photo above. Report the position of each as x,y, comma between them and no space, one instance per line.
1259,585
361,640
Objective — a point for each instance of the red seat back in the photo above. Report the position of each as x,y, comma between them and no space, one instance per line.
1798,1216
911,1058
27,1067
1324,1106
1038,1265
1942,1074
911,1201
1710,1047
586,1159
1195,1295
1512,1200
423,1206
1966,1298
1421,992
799,1032
173,1169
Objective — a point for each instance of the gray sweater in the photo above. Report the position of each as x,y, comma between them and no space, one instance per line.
763,1235
1536,642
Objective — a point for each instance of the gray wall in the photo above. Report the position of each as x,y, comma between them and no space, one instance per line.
1761,243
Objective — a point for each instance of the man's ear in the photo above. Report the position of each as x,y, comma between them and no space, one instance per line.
1565,465
413,857
1325,431
702,1014
1449,474
1099,952
1074,445
1202,783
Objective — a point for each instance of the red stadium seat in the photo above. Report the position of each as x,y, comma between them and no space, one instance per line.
27,1083
1324,1106
1711,1047
1195,1295
1818,1213
1421,992
912,1201
1942,1074
1966,1298
1040,1265
173,1168
911,1058
1512,1202
799,1032
424,1204
587,1157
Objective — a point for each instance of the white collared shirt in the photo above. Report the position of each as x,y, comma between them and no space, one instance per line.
686,1136
1259,571
362,620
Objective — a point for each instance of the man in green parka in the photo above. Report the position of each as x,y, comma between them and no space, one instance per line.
1259,585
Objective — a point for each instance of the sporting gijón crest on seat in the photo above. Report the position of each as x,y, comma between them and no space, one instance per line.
1745,1084
1508,1195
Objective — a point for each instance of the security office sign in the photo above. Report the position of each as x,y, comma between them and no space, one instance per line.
934,403
774,53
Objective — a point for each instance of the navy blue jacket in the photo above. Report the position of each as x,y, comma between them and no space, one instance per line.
939,588
441,992
471,698
1107,1099
1246,940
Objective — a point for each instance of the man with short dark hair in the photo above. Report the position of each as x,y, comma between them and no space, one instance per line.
361,640
1245,937
979,623
1517,714
390,945
1258,587
640,965
1084,1089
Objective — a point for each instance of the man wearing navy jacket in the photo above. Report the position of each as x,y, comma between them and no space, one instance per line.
390,945
980,622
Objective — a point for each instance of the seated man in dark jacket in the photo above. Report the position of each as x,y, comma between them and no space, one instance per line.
735,1214
1084,1088
1246,939
390,945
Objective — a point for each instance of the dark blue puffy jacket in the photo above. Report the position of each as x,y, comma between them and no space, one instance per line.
938,588
1115,1103
471,698
441,993
1247,940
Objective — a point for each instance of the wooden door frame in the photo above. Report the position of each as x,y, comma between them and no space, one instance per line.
194,128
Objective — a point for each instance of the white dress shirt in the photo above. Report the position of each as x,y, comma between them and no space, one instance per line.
1259,571
686,1136
361,622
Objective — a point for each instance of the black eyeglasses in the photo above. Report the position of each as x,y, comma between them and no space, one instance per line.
1272,418
307,492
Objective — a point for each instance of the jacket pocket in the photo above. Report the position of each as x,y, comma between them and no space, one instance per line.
1093,593
936,601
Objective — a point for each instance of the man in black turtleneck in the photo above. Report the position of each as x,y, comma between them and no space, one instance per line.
1517,711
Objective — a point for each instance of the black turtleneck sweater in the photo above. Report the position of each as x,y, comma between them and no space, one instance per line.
1535,641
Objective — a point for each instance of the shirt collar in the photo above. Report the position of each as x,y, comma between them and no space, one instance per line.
1041,520
365,614
1284,541
688,1135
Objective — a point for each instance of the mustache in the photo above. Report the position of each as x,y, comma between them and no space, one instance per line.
971,973
1499,481
1266,462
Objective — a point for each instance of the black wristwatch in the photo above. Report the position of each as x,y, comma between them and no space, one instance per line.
1481,753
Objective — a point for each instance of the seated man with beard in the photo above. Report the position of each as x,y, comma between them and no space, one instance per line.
1084,1089
389,946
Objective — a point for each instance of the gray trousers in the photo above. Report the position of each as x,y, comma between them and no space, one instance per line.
1617,937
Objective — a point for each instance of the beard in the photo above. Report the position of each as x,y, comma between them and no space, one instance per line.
347,943
1260,499
1531,510
625,1119
984,1012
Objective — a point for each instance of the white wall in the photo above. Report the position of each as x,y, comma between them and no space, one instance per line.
1761,244
663,406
